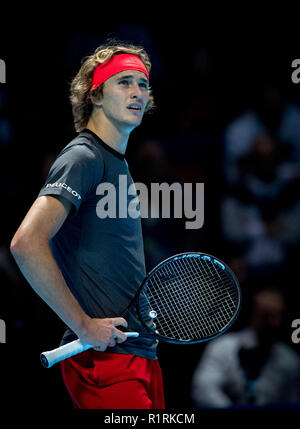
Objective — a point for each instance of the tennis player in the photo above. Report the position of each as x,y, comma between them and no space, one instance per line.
88,268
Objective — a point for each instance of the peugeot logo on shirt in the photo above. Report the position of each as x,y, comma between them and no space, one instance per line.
64,186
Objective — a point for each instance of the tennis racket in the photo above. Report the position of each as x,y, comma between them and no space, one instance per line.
188,298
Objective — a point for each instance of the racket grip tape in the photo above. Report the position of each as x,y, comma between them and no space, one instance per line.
51,357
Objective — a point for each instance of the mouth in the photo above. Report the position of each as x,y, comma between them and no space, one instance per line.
135,108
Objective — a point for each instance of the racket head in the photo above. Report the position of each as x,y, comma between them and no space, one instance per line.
191,297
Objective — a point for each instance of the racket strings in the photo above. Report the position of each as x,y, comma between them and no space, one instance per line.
218,289
218,294
207,302
196,318
167,308
192,297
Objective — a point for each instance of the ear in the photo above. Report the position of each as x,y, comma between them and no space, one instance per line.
96,98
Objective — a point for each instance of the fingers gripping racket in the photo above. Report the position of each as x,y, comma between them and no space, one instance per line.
189,297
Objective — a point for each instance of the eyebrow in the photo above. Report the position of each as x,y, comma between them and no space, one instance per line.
132,77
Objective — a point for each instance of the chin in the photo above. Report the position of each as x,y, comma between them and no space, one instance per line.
134,123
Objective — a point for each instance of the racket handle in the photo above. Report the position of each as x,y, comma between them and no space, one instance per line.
51,357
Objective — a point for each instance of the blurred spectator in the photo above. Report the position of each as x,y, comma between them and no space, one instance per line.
266,169
252,365
261,211
272,114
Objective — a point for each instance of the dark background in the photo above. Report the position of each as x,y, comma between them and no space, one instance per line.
203,78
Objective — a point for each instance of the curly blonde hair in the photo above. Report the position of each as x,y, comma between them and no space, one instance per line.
80,92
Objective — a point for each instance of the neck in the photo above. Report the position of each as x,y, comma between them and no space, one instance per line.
110,133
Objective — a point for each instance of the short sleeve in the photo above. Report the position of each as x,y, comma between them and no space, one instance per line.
74,174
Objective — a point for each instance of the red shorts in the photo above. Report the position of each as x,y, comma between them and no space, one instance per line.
97,380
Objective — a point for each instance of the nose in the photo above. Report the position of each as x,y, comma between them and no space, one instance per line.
136,92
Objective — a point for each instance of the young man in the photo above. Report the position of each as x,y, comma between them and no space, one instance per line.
87,267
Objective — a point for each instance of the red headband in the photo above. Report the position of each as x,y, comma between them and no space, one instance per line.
117,64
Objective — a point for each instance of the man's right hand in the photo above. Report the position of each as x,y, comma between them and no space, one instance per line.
102,333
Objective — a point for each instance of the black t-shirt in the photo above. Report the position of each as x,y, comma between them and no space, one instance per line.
101,259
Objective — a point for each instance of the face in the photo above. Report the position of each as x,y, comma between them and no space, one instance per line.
267,315
125,97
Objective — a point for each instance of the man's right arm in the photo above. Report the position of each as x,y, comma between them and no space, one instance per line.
32,252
